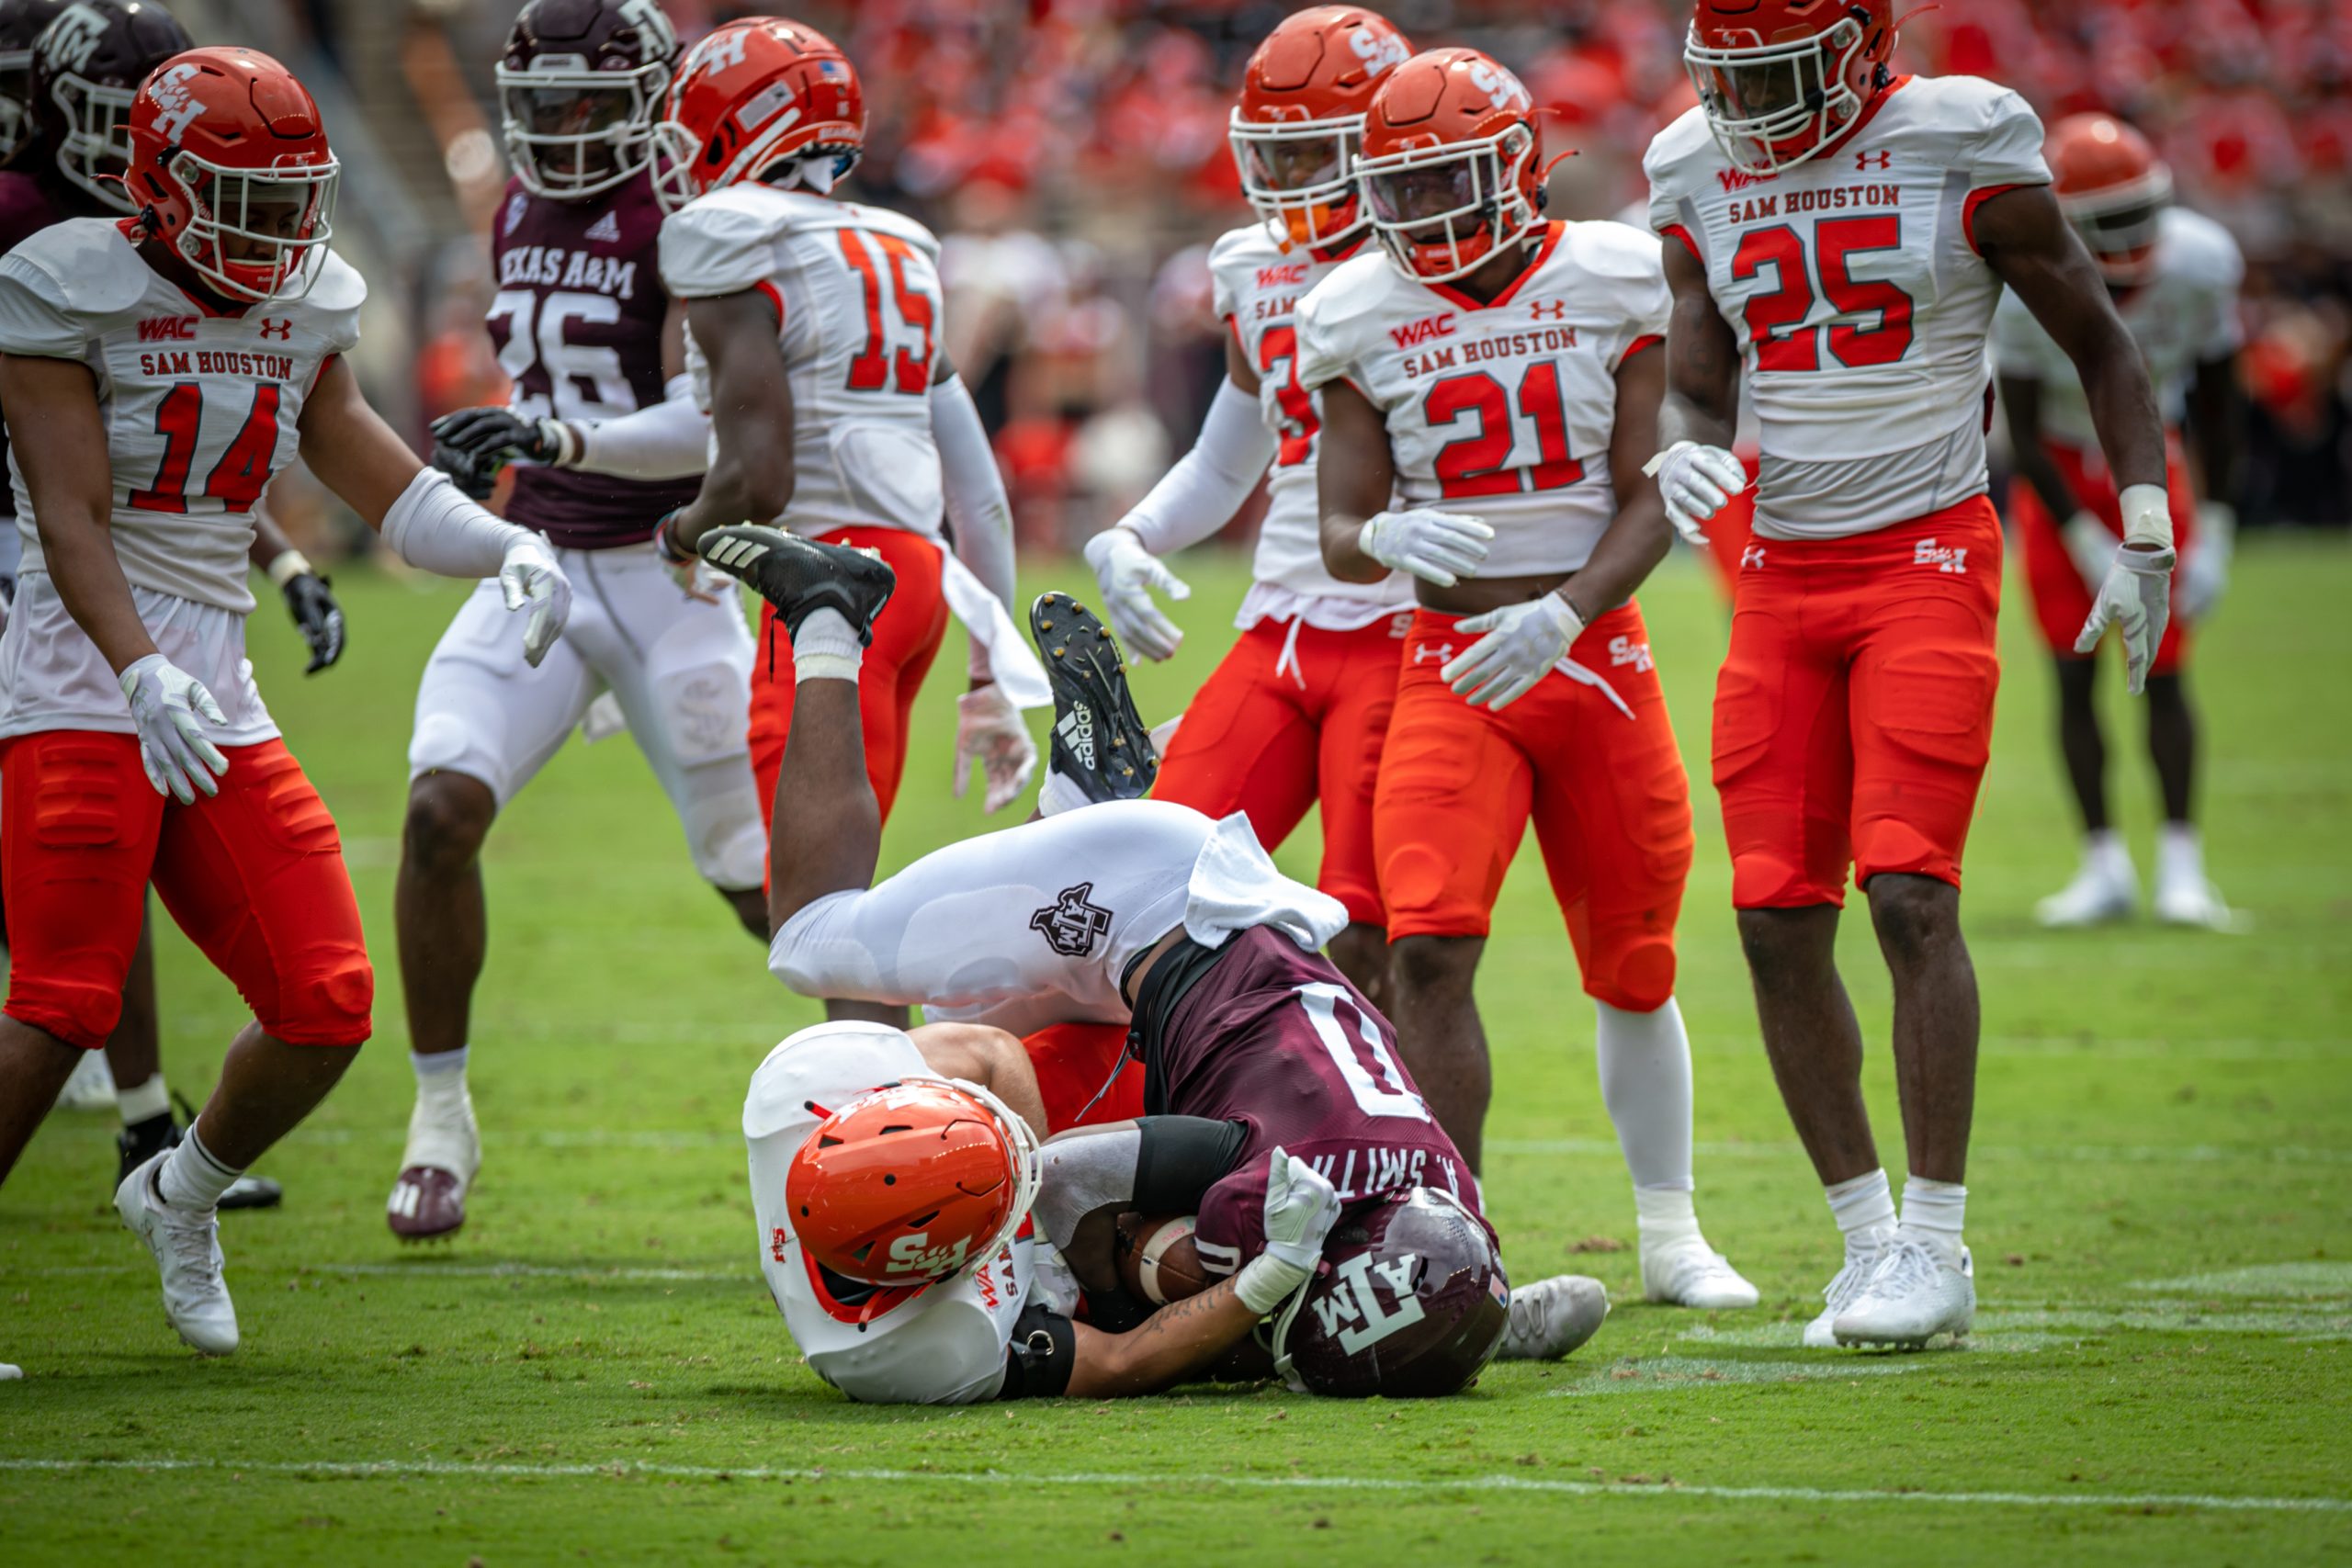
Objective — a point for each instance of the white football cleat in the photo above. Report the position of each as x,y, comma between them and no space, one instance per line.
187,1250
1552,1317
1842,1293
438,1170
2197,903
1912,1296
92,1086
2101,892
10,1372
1689,1273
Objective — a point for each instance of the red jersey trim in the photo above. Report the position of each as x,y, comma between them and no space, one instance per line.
1977,198
1677,232
1552,231
774,298
1647,341
320,373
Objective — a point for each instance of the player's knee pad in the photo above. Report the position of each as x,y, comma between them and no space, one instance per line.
726,831
332,1005
1638,977
448,743
80,1009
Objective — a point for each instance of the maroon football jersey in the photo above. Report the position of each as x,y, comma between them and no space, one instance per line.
25,210
1274,1037
577,320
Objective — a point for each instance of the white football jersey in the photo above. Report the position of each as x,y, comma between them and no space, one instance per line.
1503,410
1259,286
1861,304
857,291
942,1345
200,409
2183,316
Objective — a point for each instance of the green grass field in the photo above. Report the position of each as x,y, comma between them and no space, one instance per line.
2162,1368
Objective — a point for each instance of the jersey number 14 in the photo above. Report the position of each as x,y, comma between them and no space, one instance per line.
237,481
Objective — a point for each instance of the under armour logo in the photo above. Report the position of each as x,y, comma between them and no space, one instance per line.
1547,309
1071,925
1752,556
1442,653
1885,160
277,326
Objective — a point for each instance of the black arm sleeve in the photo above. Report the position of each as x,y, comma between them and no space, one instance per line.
1044,1352
1182,1157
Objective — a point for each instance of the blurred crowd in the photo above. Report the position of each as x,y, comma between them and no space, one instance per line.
1072,155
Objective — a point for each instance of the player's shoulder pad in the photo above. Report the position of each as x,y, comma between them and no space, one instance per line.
1619,252
1350,299
1234,261
335,298
721,243
96,270
2200,251
1992,128
1677,156
879,219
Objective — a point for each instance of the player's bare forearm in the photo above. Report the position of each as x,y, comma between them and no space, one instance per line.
350,448
1355,475
1178,1341
269,540
2217,428
2025,239
1237,369
1701,397
751,478
1638,537
2021,406
60,439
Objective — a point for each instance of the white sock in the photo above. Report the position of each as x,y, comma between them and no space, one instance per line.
143,1102
826,649
1644,1061
1057,794
440,1077
2180,853
192,1179
2105,853
1932,1212
1864,1210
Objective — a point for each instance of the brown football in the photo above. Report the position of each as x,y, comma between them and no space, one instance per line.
1158,1262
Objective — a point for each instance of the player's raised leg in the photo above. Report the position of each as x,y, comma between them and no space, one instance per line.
1100,749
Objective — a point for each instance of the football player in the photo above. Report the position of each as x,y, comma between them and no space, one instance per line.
1139,914
159,372
1845,234
67,74
583,326
813,343
2173,275
1498,376
1294,715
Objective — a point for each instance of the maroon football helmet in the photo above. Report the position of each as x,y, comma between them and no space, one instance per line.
21,21
1411,1303
580,89
87,65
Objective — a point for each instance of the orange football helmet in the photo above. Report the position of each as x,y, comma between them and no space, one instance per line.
755,94
2113,189
913,1183
1299,124
229,168
1780,80
1452,166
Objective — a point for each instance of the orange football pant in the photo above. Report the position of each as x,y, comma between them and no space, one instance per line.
254,875
1075,1063
1292,717
1608,796
1854,711
905,638
2061,600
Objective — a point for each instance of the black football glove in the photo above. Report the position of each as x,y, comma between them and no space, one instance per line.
473,478
310,599
496,432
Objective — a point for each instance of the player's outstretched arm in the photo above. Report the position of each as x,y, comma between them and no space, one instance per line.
751,478
423,517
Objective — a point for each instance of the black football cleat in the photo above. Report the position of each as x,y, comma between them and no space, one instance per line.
1101,744
142,1141
801,576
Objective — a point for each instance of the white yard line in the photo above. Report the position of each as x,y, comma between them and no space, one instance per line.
622,1470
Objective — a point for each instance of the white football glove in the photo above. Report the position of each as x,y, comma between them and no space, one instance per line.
1521,645
989,731
1301,1208
167,705
1436,547
1695,483
2090,544
531,575
2137,599
1127,573
2205,569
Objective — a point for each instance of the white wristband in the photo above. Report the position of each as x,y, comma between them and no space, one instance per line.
434,528
288,565
1265,1282
2147,515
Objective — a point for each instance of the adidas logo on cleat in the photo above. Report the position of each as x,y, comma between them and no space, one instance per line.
736,552
1076,730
